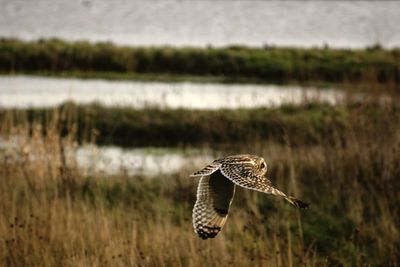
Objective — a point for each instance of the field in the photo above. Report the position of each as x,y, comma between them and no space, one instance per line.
343,160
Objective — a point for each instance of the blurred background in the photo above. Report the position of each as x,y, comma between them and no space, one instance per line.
106,107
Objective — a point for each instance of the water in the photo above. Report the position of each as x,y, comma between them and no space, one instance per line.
109,160
26,91
199,23
149,162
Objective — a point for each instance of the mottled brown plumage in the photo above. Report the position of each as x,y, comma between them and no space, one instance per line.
217,187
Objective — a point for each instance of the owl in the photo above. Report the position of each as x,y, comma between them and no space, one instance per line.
217,187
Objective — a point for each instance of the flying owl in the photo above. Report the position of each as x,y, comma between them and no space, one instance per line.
217,187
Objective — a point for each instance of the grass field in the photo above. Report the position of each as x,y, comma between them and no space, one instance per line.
52,215
229,64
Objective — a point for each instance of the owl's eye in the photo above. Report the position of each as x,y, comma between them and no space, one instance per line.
263,165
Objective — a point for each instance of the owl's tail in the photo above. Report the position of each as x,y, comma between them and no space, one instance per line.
297,202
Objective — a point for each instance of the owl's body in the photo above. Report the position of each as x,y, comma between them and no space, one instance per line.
217,187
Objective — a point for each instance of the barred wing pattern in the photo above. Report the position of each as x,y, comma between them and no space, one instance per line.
208,170
244,175
214,197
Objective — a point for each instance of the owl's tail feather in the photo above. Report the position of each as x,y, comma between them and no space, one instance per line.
297,202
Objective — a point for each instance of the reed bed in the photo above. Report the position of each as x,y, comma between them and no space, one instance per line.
52,215
304,124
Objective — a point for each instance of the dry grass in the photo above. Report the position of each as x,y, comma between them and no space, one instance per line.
53,216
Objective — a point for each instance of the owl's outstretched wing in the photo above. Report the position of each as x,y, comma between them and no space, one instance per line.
207,170
214,196
245,175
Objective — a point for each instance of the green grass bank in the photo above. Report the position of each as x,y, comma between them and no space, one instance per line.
229,64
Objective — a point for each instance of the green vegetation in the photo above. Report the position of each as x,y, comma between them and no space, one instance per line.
306,124
53,215
230,64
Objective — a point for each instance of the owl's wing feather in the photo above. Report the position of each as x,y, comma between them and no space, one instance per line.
214,196
208,170
244,175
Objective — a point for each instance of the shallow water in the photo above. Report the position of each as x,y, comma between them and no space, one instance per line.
200,23
139,161
110,160
27,91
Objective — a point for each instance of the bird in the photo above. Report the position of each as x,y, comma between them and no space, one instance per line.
217,185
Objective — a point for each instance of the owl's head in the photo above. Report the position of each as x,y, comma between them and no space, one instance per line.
261,165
